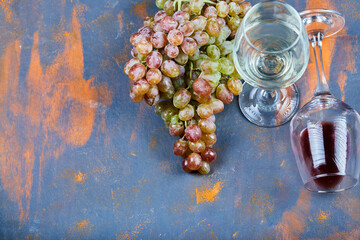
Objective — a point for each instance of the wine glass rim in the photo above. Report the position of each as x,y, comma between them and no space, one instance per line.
273,52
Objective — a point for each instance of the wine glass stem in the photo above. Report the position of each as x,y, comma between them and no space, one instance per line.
322,85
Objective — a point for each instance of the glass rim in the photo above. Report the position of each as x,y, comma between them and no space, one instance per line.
297,15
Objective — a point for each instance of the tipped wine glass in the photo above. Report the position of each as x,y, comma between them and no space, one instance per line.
325,132
271,53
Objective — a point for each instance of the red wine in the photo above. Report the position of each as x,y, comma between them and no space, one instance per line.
325,150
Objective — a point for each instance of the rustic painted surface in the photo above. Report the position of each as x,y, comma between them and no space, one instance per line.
79,160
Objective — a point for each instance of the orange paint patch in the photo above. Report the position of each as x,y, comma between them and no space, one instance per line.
260,205
140,9
323,215
77,177
351,7
294,221
120,20
133,234
208,194
350,205
152,143
6,7
82,226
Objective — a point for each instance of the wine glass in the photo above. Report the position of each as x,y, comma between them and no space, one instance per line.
325,132
271,53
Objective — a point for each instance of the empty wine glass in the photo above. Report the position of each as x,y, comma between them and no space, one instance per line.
271,53
325,132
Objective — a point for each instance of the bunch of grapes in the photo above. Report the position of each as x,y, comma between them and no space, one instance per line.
182,65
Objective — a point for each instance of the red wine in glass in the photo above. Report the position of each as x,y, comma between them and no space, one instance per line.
325,151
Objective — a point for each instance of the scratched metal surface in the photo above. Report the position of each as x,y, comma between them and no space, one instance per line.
79,160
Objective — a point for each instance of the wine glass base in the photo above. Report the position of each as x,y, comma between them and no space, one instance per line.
330,183
328,22
269,112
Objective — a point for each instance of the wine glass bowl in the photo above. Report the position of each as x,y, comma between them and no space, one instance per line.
271,52
325,132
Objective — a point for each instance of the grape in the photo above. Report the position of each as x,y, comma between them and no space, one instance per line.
186,113
234,9
149,22
160,107
140,87
193,133
224,94
212,27
137,37
216,105
176,129
210,66
167,95
204,110
181,58
196,55
227,66
171,51
152,101
129,64
181,16
144,47
204,168
189,46
187,28
234,23
159,40
226,48
180,147
202,87
185,7
201,99
234,85
159,16
221,22
212,118
181,98
160,3
213,78
213,52
197,147
146,31
199,23
178,83
175,37
206,125
209,139
194,161
153,91
222,9
182,71
245,7
170,68
209,155
135,98
168,112
168,23
169,7
223,35
210,12
137,71
202,38
196,6
212,40
153,76
165,84
185,165
154,59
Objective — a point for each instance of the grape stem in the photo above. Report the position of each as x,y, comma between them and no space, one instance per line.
191,70
179,3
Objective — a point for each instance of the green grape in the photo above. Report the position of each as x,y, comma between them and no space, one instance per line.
224,34
174,119
222,9
179,83
181,98
213,78
213,52
195,56
159,108
199,60
234,9
227,66
187,113
234,23
226,48
196,6
169,7
167,95
168,112
204,168
212,40
207,126
167,124
181,58
210,66
212,27
209,138
234,85
160,3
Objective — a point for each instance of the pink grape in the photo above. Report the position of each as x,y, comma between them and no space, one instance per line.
210,12
201,99
187,28
138,37
168,23
159,16
194,161
212,27
209,138
245,7
212,118
221,22
185,165
159,40
152,101
197,147
181,58
176,129
181,16
154,60
140,87
180,147
193,133
175,37
224,94
204,110
165,85
144,47
207,126
137,71
153,91
129,64
171,51
135,98
146,31
170,69
217,105
202,87
209,155
157,27
189,46
202,38
153,76
181,98
199,23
